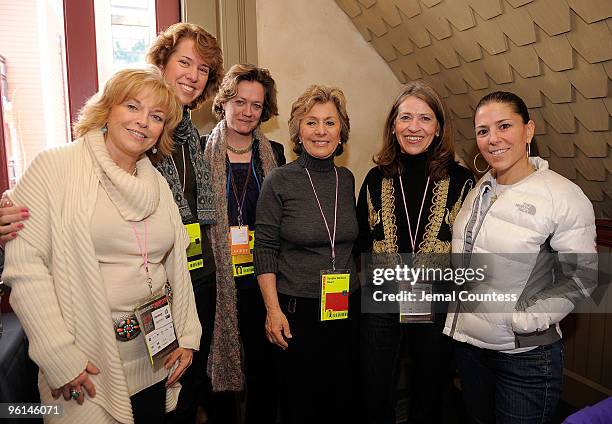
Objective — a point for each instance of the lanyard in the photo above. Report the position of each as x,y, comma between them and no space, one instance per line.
332,239
239,203
184,167
144,253
413,239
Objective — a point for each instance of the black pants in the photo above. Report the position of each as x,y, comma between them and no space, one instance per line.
318,369
197,388
149,405
430,369
260,360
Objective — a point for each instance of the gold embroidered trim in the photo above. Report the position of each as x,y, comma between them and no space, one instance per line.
430,242
387,197
373,215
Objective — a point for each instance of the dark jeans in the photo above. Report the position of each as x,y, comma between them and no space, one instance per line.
260,359
505,388
382,336
197,388
318,369
149,405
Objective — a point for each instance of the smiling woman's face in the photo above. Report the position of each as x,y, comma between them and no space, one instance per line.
415,125
320,130
134,126
186,71
502,139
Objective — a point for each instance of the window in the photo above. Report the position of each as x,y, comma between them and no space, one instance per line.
124,31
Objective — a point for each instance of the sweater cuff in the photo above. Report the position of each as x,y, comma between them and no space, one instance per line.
265,261
61,368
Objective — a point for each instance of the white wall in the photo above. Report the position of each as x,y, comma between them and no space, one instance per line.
304,42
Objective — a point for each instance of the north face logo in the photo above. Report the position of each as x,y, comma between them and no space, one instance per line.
527,208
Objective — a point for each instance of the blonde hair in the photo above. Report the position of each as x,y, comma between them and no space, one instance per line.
128,84
206,46
246,72
313,95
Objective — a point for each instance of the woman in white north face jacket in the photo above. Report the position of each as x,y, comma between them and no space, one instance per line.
533,233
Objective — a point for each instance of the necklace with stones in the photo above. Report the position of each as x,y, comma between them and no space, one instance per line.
242,151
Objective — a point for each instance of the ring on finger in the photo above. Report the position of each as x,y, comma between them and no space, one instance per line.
75,394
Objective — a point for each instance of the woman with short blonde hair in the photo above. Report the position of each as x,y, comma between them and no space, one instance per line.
105,237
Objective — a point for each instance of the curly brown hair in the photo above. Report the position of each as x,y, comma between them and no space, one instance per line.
246,72
206,46
442,148
313,95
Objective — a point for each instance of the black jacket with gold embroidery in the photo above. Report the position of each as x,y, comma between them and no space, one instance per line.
381,211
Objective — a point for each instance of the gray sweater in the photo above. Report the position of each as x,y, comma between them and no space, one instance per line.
290,236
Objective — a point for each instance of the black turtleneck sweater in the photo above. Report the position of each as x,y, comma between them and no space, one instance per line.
292,240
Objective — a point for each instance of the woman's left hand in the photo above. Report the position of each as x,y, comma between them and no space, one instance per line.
184,357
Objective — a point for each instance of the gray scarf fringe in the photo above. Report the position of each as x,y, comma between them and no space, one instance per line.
224,362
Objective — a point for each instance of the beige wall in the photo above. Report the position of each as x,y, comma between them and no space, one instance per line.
304,42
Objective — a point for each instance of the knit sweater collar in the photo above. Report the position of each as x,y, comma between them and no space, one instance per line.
136,197
316,164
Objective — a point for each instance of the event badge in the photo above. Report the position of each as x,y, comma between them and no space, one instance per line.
194,250
239,240
416,310
155,319
335,294
243,264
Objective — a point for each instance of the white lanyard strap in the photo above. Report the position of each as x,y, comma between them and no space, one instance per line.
332,238
144,252
413,238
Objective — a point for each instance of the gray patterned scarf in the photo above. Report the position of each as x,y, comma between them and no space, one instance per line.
224,365
186,133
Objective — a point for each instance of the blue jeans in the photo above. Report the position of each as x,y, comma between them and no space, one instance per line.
503,388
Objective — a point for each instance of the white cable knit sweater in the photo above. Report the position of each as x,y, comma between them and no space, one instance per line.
57,289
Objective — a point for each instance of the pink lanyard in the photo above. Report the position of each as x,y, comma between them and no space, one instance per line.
332,239
413,239
144,252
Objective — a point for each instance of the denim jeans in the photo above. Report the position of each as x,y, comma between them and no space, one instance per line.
382,336
504,388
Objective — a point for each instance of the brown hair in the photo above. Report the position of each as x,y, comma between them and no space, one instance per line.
518,106
246,72
442,152
127,84
313,95
205,45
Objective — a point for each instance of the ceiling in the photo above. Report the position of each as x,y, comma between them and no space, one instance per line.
555,54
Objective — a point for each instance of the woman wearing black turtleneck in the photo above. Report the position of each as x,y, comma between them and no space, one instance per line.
306,217
407,204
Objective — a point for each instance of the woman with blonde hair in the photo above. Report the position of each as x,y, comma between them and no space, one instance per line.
305,230
103,249
241,157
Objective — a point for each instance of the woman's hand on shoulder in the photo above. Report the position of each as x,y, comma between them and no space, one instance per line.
78,384
277,328
11,218
184,356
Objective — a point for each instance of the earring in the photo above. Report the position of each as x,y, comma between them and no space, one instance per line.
476,167
154,149
104,129
528,149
